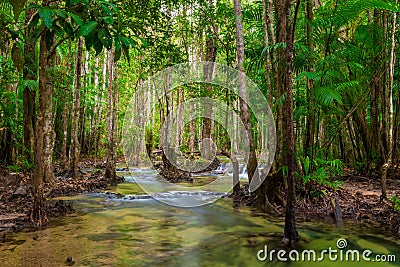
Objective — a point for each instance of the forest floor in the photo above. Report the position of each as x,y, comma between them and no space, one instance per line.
16,194
359,199
360,202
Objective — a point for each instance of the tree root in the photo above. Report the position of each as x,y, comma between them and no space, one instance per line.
38,215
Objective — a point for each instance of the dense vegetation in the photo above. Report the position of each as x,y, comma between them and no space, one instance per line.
328,69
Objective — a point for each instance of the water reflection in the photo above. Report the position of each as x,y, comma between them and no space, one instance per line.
109,231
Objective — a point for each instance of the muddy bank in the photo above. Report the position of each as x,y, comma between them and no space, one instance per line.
16,195
359,201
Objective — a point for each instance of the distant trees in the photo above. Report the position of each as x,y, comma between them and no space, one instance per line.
50,122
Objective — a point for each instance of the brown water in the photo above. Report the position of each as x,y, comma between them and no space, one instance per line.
106,231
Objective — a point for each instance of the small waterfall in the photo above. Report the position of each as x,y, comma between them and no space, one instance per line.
243,174
221,169
226,168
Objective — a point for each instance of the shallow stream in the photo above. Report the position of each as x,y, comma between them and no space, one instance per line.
138,230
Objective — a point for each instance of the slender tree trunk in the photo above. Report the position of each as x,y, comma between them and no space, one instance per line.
392,59
244,108
65,114
310,119
94,117
5,141
100,110
211,54
50,135
262,202
115,124
191,134
267,53
83,108
110,166
74,151
29,98
43,130
285,30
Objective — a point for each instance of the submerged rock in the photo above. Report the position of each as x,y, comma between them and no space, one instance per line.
69,261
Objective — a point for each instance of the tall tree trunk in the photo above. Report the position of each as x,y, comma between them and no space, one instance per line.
392,58
74,151
267,53
115,124
50,135
83,108
29,98
242,90
43,132
65,114
191,134
310,119
211,54
285,31
94,118
110,166
100,110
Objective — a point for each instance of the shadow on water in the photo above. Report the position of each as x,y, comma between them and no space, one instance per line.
140,231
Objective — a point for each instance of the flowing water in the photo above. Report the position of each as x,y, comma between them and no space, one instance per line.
137,230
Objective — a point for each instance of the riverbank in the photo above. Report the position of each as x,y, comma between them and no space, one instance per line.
16,195
359,200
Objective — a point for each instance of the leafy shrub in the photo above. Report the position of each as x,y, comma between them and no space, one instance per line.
323,171
396,203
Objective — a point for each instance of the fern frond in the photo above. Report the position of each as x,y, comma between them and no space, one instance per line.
31,84
353,8
326,95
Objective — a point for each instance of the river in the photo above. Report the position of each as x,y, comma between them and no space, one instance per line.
140,231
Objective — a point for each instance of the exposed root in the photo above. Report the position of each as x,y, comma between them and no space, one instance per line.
38,215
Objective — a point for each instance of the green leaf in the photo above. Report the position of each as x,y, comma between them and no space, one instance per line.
105,37
327,95
109,19
89,39
117,43
126,53
114,7
87,28
132,42
117,55
144,42
60,13
351,9
124,40
77,19
31,84
300,111
97,45
47,15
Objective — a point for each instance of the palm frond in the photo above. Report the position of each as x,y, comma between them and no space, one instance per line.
31,84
